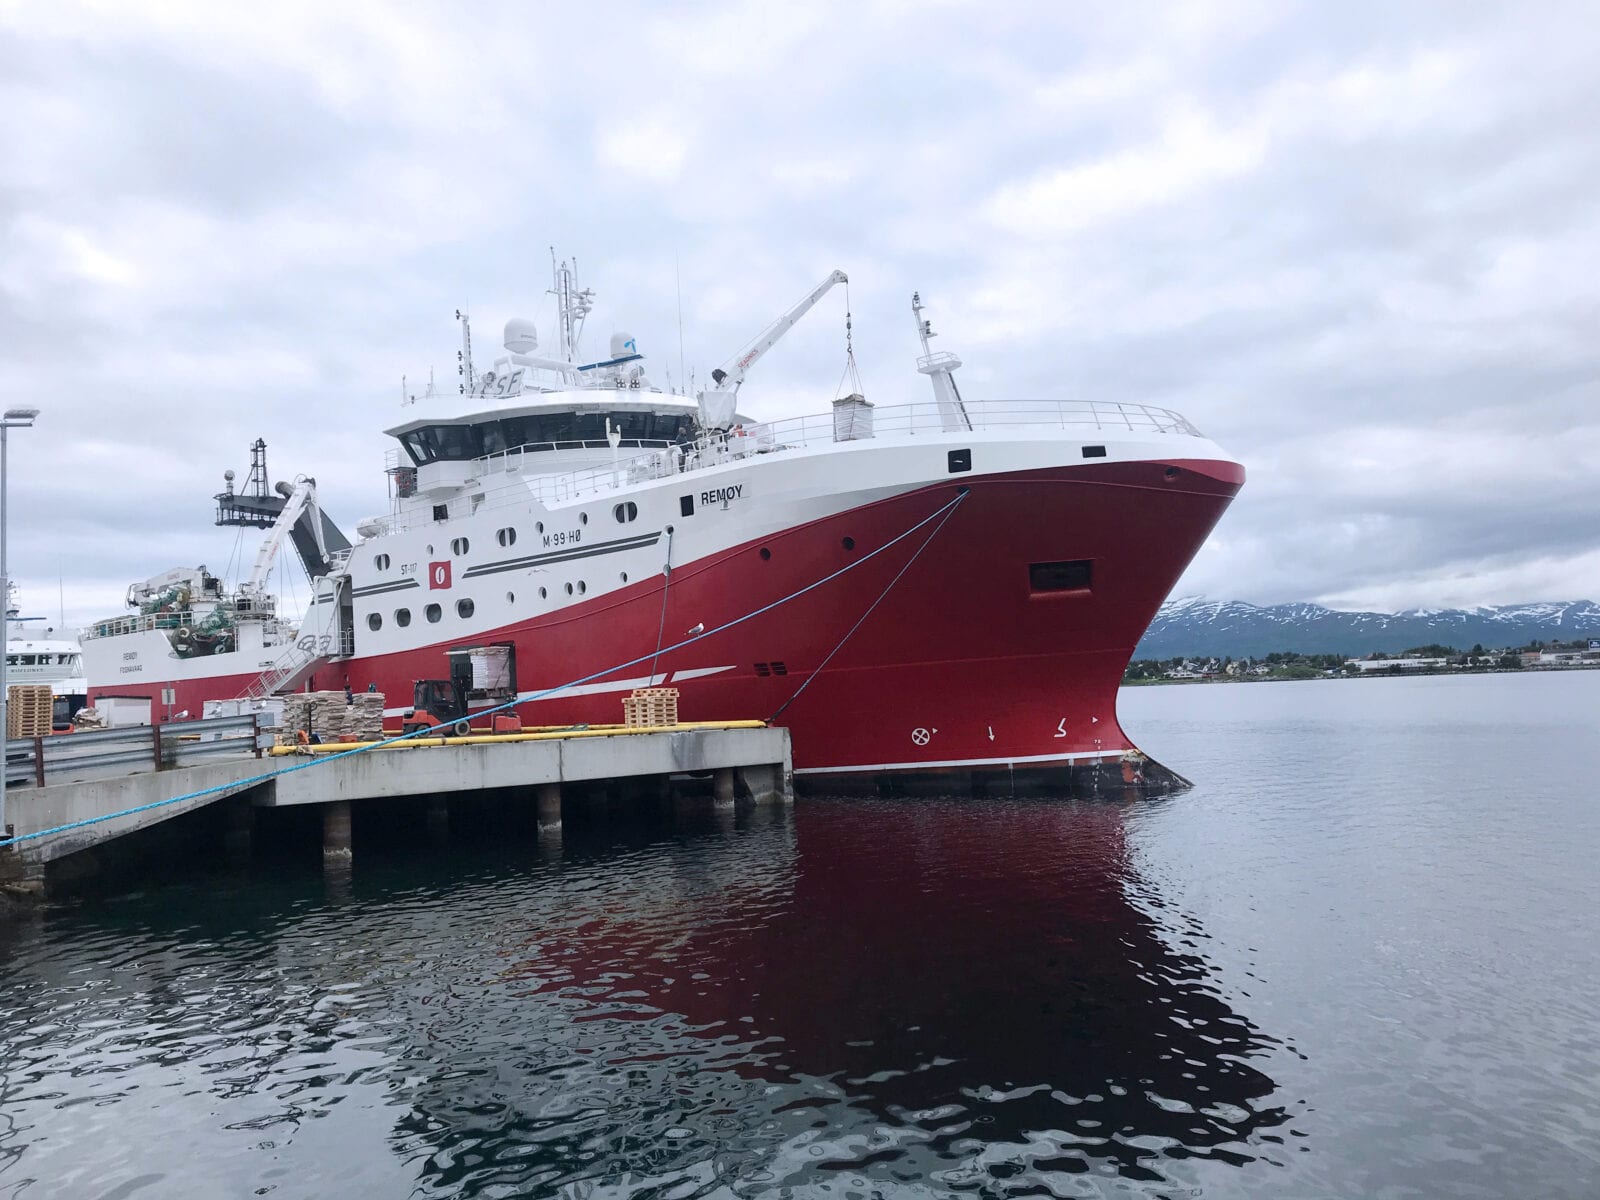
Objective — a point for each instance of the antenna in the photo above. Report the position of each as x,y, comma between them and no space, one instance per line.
464,355
924,326
572,305
677,276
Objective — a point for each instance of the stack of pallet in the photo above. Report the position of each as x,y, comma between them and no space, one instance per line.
650,708
28,710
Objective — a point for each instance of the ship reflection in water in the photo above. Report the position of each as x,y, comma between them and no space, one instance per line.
956,993
878,997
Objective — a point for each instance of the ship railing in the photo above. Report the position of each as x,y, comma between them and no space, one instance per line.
848,422
514,458
861,422
280,672
138,623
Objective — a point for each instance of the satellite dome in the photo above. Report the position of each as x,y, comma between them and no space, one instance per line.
622,345
522,336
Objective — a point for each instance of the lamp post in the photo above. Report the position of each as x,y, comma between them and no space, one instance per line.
15,418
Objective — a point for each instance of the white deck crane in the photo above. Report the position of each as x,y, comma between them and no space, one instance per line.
717,405
301,498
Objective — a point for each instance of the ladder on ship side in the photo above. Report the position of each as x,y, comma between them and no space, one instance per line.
287,672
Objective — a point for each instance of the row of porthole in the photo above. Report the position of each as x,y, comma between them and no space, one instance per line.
465,607
433,613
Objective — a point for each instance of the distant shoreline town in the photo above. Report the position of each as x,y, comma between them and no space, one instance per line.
1195,628
1432,659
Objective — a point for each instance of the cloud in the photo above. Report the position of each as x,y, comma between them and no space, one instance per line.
1353,244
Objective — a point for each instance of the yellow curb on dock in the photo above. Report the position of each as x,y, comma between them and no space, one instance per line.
538,734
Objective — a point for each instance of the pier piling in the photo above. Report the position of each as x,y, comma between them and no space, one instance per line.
548,798
336,832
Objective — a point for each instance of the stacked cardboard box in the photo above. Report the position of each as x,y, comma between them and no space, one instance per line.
364,717
327,715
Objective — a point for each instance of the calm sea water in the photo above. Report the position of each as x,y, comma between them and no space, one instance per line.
1359,958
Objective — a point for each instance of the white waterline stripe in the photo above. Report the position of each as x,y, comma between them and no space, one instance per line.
1069,759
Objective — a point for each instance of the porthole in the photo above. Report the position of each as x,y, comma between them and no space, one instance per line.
569,589
374,622
459,546
583,518
380,561
430,547
511,597
506,536
625,512
402,617
849,543
433,612
582,587
624,577
538,527
765,554
543,593
464,608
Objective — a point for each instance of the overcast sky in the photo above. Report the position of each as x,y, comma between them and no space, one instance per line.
1357,244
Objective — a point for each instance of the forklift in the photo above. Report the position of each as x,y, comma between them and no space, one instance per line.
437,703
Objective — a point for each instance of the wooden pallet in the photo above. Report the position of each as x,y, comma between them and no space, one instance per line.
650,708
29,710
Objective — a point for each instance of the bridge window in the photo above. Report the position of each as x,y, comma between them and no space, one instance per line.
433,612
506,536
545,431
374,622
464,608
402,617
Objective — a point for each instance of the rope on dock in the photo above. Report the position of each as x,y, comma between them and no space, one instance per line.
368,747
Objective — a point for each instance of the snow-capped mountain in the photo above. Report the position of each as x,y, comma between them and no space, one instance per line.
1193,625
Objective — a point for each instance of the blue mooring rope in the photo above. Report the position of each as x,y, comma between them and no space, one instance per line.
319,760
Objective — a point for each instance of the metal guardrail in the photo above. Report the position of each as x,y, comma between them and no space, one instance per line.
42,760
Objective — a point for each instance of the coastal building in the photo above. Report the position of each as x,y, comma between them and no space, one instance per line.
1403,664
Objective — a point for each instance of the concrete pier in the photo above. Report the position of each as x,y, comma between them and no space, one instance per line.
239,835
746,762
